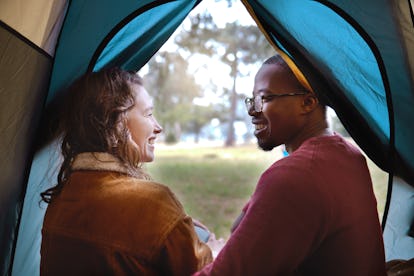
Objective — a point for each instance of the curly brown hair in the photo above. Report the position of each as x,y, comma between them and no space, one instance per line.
94,120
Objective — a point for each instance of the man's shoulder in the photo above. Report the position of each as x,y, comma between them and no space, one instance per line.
300,160
290,171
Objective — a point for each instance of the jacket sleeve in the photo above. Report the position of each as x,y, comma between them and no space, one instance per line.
183,252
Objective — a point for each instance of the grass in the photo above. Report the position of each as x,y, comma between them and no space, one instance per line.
213,183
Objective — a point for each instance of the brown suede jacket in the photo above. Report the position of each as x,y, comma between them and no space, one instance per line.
105,222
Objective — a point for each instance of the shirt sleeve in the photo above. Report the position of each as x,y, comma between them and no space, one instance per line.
281,227
184,253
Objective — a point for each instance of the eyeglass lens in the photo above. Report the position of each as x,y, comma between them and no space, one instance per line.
255,102
258,103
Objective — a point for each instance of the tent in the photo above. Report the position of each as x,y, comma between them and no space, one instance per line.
361,53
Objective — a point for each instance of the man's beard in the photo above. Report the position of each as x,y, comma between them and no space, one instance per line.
265,145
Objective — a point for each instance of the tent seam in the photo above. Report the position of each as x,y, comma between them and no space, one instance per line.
122,24
25,39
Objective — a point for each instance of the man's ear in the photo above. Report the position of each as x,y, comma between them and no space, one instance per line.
310,102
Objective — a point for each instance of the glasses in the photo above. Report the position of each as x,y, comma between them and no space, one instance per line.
257,101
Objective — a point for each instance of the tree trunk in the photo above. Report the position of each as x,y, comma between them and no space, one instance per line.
177,130
231,139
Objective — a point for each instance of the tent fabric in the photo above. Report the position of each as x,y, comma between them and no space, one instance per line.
129,45
139,29
39,21
28,34
398,244
42,175
24,77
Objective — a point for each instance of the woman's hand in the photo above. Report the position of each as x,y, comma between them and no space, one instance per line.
215,244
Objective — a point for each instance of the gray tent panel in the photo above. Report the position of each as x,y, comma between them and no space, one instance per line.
398,237
24,78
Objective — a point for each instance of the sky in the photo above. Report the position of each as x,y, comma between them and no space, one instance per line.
222,14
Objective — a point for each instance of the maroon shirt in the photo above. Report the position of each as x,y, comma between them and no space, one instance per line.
313,213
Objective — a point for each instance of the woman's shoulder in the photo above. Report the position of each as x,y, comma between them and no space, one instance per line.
119,190
152,192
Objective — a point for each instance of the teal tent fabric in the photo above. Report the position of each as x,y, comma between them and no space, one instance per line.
354,52
98,34
42,176
136,41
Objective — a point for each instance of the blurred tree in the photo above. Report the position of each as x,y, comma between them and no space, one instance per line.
173,90
199,36
201,116
229,2
235,45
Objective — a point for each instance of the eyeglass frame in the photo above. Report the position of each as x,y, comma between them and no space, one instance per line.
253,101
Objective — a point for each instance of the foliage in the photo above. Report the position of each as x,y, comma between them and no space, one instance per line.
170,138
199,37
234,44
173,90
201,115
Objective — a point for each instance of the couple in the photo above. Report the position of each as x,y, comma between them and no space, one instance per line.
312,213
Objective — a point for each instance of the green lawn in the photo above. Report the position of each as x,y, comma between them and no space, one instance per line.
214,183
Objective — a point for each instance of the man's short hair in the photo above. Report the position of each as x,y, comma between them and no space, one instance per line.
277,60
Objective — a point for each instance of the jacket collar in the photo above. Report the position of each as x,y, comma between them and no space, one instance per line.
98,161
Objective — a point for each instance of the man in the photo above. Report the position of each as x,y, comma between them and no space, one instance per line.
314,211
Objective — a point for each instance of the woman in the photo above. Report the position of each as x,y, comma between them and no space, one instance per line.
105,215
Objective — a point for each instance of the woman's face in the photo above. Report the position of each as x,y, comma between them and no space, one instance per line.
142,124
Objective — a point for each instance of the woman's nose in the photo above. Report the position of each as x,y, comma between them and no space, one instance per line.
158,127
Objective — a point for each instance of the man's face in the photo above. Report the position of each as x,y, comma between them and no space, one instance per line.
280,120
